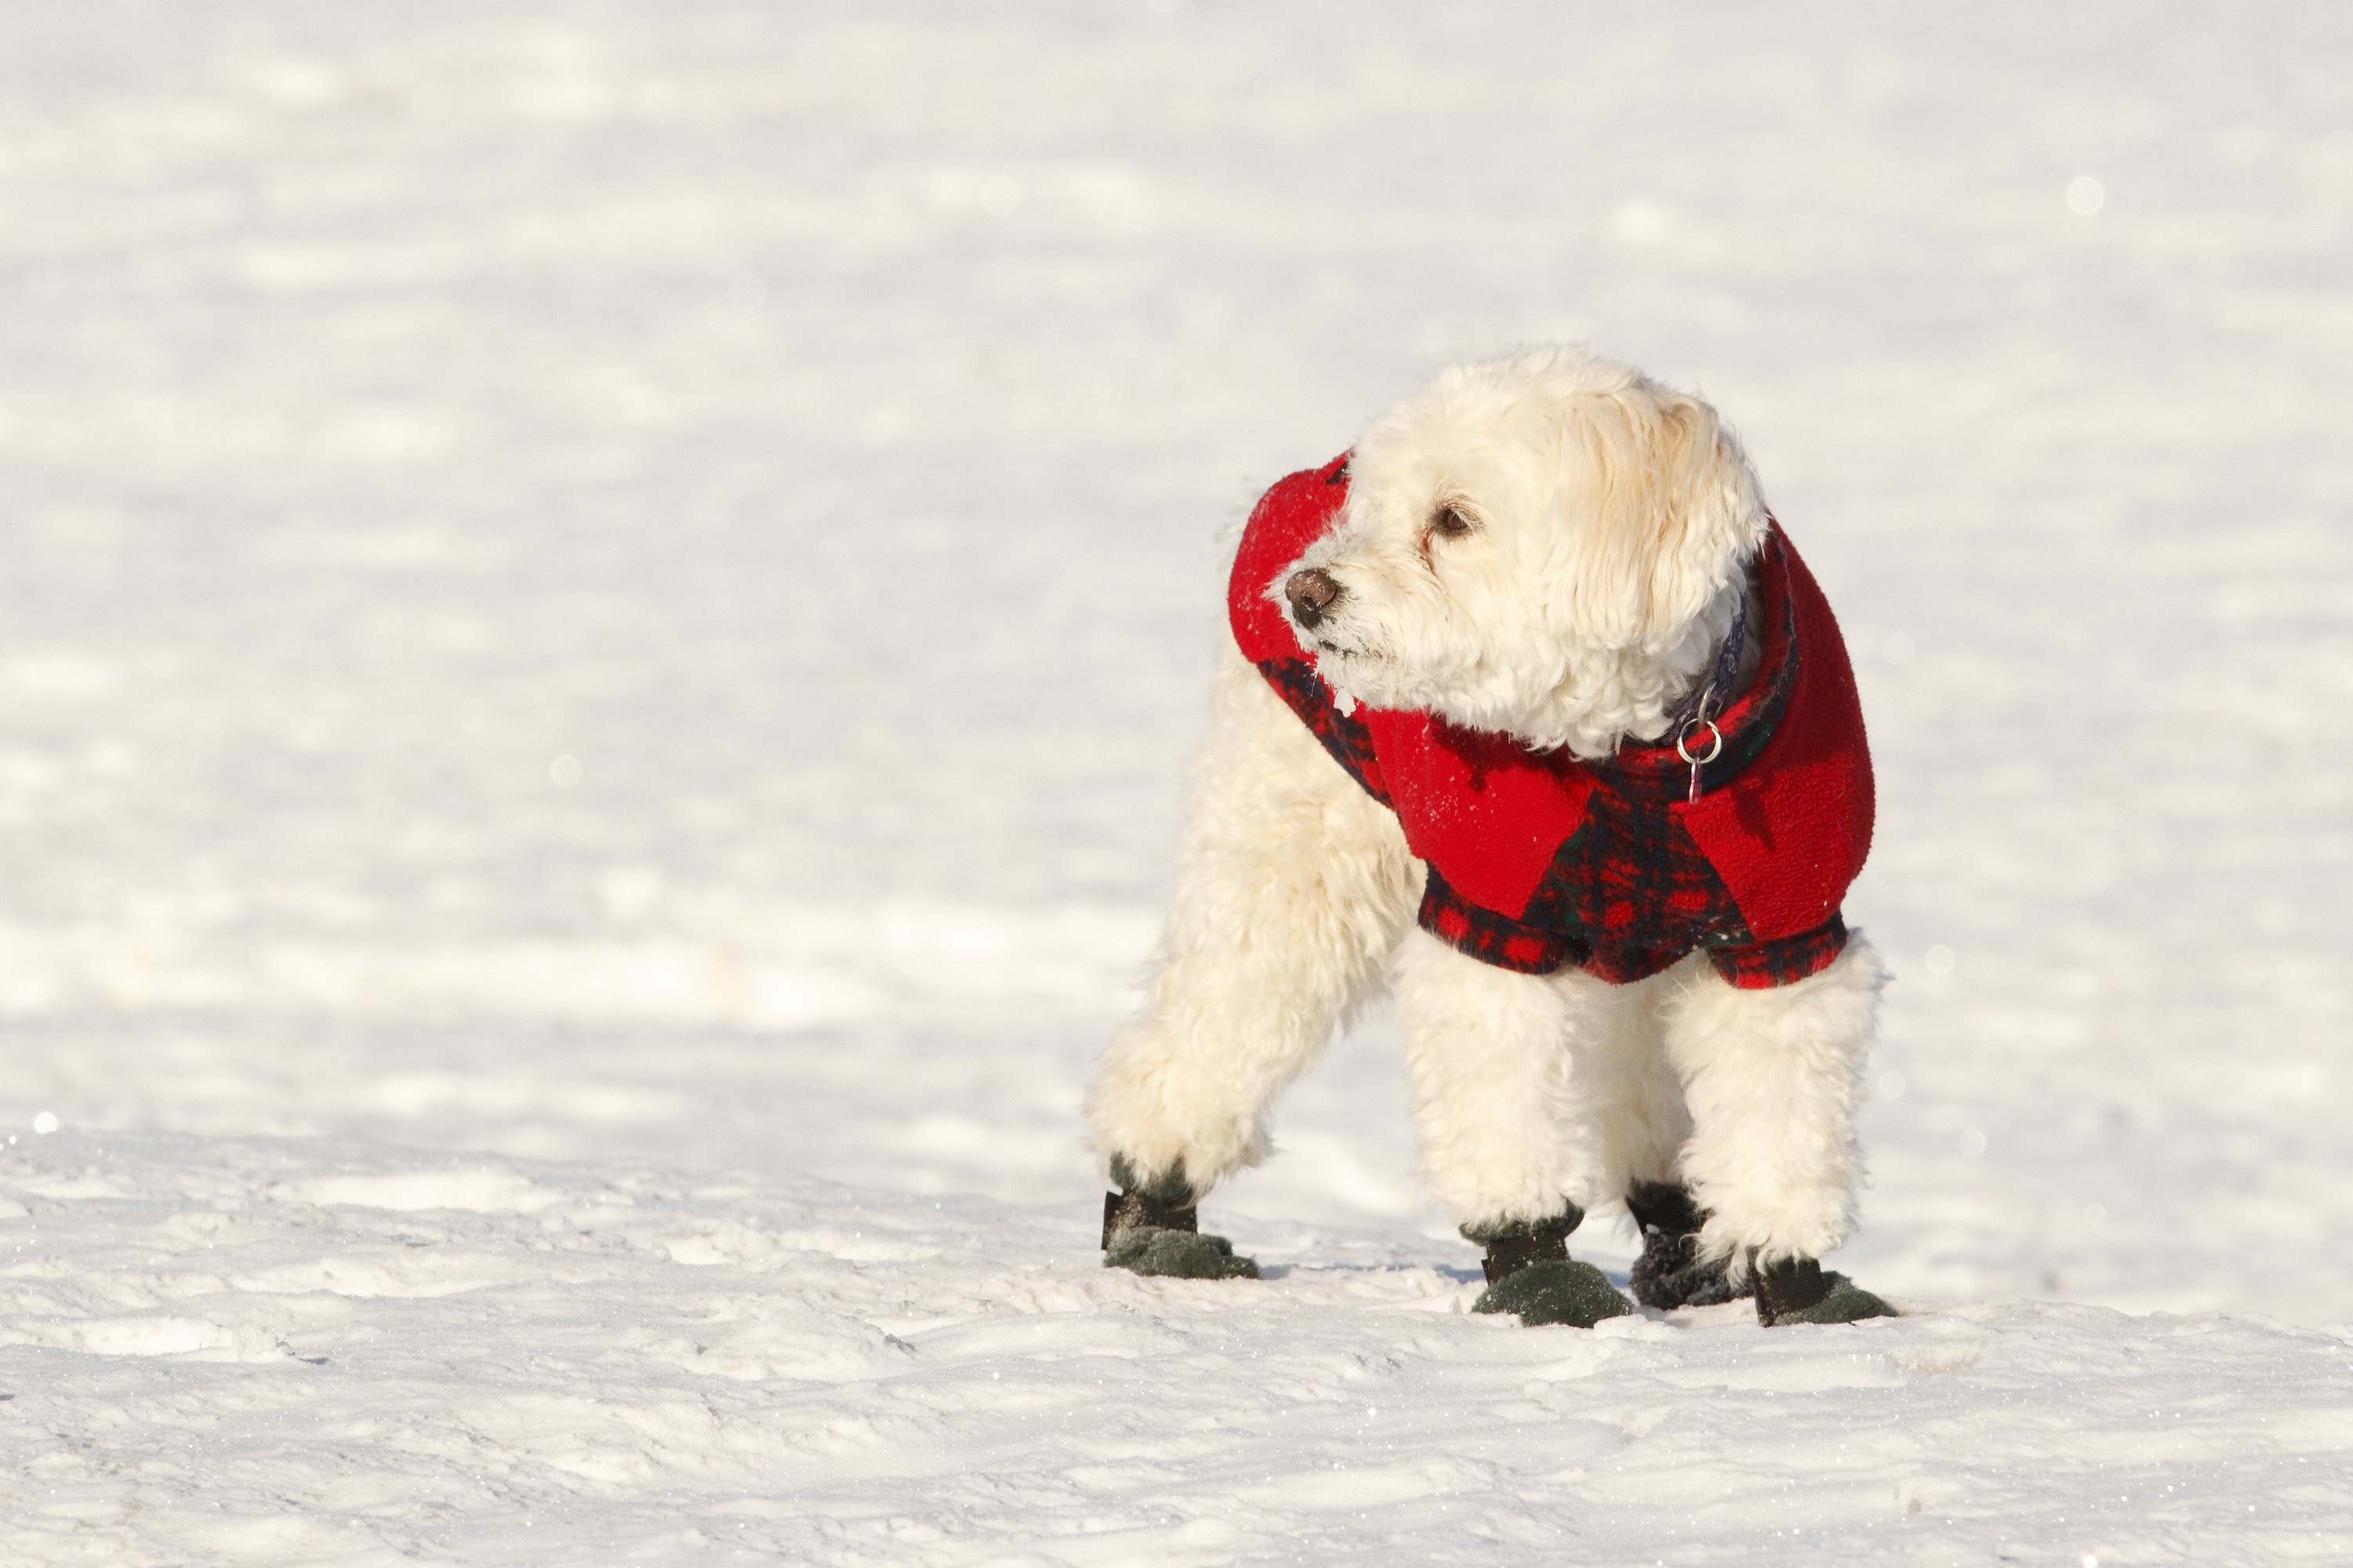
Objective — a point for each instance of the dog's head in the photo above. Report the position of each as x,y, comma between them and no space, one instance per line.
1546,546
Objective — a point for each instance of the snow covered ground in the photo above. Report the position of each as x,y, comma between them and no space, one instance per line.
305,1351
605,603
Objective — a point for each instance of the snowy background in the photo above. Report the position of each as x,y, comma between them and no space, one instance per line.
604,608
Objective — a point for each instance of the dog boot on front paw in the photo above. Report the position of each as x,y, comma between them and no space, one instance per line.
1799,1292
1531,1276
1670,1272
1177,1254
1155,1228
1557,1290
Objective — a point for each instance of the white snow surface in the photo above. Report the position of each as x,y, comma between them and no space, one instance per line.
604,604
294,1351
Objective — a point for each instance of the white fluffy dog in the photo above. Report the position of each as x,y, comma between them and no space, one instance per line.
1534,664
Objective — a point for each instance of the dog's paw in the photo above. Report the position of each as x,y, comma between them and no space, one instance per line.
1556,1291
1668,1276
1799,1291
1671,1273
1846,1302
1177,1254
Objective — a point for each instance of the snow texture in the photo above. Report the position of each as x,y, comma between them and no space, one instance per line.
606,604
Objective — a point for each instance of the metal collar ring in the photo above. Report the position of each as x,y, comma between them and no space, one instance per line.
1715,747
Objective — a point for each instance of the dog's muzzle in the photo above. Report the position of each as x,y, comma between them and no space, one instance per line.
1311,595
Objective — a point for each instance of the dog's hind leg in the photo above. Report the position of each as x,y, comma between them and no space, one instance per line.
1638,1099
1645,1125
1295,887
1773,1077
1638,1102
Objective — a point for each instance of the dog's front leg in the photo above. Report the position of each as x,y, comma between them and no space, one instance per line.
1294,886
1773,1079
1510,1127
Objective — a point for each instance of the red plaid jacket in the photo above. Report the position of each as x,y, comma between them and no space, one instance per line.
1540,861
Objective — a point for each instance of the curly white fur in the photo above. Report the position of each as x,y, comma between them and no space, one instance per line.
1611,523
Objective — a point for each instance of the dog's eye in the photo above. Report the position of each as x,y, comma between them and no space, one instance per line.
1450,522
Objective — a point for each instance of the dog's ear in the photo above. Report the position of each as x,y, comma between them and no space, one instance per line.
1712,520
1680,508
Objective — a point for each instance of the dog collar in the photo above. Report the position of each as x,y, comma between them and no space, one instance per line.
1714,738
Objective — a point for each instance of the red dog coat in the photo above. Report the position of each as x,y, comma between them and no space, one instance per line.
1538,861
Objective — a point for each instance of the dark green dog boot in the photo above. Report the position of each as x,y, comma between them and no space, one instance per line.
1531,1276
1670,1272
1154,1228
1177,1254
1557,1290
1799,1293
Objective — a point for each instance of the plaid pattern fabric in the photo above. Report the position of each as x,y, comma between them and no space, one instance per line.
1623,903
1350,743
1496,939
1635,886
1754,966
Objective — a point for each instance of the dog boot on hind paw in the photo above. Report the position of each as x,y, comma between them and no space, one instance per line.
1670,1273
1531,1275
1155,1228
1799,1292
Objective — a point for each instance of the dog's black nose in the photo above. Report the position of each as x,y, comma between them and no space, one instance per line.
1311,593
